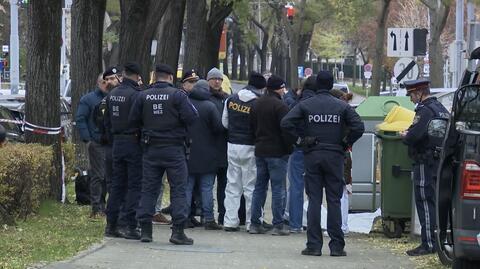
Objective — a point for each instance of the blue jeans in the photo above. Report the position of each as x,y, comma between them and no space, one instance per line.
206,182
295,191
275,170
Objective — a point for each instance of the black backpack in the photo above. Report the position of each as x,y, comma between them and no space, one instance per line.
82,187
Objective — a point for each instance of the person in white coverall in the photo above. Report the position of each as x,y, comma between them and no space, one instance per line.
242,171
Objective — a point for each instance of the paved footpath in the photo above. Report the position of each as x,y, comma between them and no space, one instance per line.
219,249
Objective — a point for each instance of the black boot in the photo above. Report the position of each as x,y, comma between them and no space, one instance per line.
146,232
111,230
179,238
132,233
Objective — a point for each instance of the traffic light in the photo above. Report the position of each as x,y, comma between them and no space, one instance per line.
290,11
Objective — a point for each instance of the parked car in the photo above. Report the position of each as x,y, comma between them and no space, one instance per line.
16,106
458,183
14,132
343,87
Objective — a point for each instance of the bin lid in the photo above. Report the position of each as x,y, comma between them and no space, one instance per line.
377,107
397,120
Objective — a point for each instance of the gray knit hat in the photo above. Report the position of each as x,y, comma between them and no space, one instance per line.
214,73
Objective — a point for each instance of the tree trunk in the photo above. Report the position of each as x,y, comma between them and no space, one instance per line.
169,36
138,24
354,82
235,55
294,62
42,105
439,17
304,44
227,55
196,29
243,63
87,34
380,47
210,51
250,59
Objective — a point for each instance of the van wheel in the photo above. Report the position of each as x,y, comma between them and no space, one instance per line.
465,264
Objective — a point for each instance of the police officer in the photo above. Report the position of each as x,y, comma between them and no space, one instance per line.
323,120
163,112
242,170
422,149
126,152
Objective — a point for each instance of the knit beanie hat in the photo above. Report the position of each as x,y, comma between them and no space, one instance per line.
214,73
257,80
324,80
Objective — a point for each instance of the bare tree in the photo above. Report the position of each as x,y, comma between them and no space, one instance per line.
170,34
42,105
138,25
439,10
380,45
87,34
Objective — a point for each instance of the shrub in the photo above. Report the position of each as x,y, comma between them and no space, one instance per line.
25,170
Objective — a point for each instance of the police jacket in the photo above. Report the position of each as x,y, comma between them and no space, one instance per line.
236,116
85,118
326,119
266,115
203,133
119,103
420,146
163,113
218,98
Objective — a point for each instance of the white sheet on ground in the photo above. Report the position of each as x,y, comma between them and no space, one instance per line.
357,222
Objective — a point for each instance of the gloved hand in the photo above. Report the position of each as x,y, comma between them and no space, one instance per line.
349,188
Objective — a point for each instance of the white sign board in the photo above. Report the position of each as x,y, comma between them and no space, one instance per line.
5,48
400,42
400,65
367,74
153,49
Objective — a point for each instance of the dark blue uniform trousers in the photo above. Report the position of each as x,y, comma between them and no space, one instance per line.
126,181
424,179
156,160
324,169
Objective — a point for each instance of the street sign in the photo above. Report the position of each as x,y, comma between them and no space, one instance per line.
368,68
5,48
400,65
153,49
308,72
367,74
300,72
400,42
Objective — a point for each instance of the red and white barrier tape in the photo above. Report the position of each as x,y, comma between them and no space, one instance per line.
35,128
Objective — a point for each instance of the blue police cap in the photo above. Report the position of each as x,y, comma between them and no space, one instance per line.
418,84
113,70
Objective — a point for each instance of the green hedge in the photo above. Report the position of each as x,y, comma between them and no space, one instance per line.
25,170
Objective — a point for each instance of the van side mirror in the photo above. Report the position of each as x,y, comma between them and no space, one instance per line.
437,128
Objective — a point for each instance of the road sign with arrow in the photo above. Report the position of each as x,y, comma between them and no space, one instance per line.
400,42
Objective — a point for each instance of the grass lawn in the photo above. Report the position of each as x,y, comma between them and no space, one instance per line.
401,245
57,232
358,89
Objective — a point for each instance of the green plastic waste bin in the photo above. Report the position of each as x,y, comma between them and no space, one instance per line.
396,183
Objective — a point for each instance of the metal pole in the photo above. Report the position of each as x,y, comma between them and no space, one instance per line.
459,42
472,27
14,48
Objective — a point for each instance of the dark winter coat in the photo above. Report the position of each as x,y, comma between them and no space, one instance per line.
218,98
85,120
204,132
266,115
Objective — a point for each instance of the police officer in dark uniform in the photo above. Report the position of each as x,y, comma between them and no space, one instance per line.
324,120
126,152
164,112
422,150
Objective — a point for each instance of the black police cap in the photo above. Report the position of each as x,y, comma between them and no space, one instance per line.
164,68
113,70
418,84
132,67
190,75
